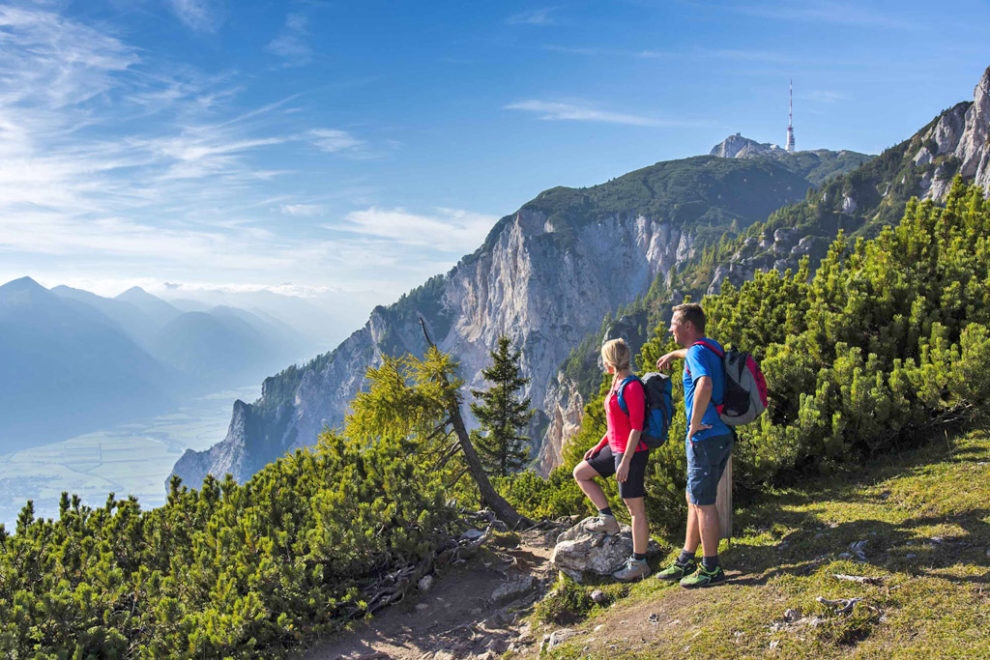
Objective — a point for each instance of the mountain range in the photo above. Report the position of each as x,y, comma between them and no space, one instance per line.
75,361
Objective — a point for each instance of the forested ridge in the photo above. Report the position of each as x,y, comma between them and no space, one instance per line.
883,346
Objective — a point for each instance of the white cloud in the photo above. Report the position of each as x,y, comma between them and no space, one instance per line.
533,17
302,210
291,42
449,230
836,13
331,140
823,96
557,111
199,15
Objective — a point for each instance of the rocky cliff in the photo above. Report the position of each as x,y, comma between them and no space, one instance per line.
546,276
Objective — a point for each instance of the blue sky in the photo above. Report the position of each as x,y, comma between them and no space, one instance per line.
352,149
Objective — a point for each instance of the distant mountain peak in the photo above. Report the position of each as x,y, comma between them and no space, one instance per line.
133,292
737,146
22,285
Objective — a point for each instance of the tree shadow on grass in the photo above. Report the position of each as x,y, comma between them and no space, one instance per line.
886,547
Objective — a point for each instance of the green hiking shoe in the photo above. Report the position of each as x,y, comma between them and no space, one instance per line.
703,578
676,571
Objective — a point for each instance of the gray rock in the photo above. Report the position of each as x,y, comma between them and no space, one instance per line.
923,157
585,548
512,589
425,583
558,637
598,596
472,534
848,204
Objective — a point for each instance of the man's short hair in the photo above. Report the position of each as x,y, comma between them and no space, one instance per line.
692,312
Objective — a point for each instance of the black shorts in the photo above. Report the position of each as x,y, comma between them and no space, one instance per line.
606,463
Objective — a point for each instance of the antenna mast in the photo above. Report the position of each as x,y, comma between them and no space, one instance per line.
790,119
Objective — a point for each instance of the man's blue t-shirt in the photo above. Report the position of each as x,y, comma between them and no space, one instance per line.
702,361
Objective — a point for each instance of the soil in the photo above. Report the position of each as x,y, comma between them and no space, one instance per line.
475,609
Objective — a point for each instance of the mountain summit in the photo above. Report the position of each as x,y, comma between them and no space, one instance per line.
737,146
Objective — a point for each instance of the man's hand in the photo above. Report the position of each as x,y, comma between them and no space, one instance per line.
697,428
588,455
667,359
623,472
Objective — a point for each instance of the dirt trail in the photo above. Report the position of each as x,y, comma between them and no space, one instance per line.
473,610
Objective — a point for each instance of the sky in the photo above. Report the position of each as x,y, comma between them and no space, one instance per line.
347,151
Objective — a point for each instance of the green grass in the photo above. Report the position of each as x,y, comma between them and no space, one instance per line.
924,518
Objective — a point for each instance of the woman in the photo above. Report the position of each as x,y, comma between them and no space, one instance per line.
620,453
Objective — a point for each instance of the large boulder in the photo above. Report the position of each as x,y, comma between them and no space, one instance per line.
586,548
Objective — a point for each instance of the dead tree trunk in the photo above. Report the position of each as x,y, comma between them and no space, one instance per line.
502,509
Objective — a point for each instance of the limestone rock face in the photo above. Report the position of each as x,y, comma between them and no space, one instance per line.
737,146
586,548
962,133
565,408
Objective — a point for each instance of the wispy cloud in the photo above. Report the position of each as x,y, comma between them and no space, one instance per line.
448,230
823,96
199,15
826,11
291,43
533,17
571,50
302,210
110,158
332,140
582,111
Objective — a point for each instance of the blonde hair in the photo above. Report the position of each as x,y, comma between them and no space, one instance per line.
616,353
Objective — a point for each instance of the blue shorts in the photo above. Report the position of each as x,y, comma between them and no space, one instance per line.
706,460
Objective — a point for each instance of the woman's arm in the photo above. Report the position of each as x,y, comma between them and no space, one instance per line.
597,448
622,473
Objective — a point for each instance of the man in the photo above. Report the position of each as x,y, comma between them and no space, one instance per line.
708,445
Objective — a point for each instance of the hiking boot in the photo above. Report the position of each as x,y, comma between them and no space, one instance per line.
635,569
676,571
605,523
703,578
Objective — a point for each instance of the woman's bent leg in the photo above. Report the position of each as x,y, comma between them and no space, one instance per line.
585,475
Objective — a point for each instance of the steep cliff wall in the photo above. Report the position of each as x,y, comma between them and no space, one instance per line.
545,277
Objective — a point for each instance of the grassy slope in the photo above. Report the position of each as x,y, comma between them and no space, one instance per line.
925,518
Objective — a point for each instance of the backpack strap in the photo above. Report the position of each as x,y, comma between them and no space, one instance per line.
721,356
625,407
712,347
618,393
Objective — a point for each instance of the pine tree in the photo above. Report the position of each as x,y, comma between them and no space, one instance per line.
501,445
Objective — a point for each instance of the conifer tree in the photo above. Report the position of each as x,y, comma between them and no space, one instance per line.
501,444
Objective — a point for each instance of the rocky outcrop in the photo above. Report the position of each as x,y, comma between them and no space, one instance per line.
737,146
958,144
586,549
565,408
